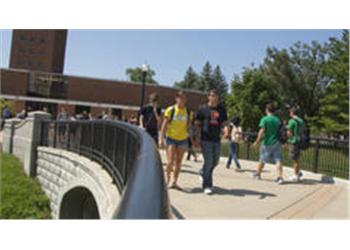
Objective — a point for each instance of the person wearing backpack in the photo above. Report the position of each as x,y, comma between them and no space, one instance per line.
175,128
295,141
234,137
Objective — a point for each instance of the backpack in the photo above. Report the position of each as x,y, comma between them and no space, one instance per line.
303,137
172,113
236,135
282,134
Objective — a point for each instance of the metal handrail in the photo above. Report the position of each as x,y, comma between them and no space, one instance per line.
126,152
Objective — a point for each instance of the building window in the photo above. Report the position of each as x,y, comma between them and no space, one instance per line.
22,38
79,109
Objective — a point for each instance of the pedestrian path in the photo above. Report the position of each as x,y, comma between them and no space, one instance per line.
238,196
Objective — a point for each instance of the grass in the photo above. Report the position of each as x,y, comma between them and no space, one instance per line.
331,162
20,196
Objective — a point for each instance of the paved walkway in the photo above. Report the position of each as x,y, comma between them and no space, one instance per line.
238,196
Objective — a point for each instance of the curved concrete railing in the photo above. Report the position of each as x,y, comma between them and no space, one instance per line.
91,169
126,152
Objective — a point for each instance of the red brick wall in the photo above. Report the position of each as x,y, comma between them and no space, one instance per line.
13,82
41,50
125,93
101,91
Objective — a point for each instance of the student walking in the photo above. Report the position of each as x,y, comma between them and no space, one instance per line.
62,116
6,114
270,149
234,138
295,134
150,117
176,129
210,119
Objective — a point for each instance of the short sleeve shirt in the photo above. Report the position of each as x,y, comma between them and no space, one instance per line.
149,118
293,126
211,119
271,124
177,127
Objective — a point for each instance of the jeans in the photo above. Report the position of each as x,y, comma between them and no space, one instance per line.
233,155
211,155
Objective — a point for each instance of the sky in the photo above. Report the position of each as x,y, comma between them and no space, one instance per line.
107,53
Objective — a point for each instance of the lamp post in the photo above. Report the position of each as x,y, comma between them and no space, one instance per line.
144,69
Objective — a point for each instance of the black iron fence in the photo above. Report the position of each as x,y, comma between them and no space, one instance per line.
325,156
126,152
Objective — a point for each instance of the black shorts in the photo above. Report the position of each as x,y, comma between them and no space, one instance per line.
294,151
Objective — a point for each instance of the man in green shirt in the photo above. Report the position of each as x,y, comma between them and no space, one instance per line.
293,127
270,149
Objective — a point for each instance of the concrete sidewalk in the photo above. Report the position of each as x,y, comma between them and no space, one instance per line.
239,196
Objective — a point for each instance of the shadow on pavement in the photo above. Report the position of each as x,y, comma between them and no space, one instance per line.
176,213
236,192
305,181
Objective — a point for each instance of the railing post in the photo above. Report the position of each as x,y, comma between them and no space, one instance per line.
54,134
92,137
80,134
68,135
315,158
103,138
12,135
114,144
248,149
125,159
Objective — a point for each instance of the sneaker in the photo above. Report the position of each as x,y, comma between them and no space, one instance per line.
300,174
228,166
208,191
279,180
256,176
297,177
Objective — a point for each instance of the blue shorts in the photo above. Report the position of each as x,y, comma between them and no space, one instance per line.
177,143
271,153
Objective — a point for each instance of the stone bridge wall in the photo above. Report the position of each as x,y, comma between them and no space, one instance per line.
59,171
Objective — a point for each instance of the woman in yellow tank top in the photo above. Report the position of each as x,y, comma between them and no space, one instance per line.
175,130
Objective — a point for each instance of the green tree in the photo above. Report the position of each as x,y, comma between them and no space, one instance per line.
206,78
297,74
135,75
8,104
249,96
190,81
333,116
219,83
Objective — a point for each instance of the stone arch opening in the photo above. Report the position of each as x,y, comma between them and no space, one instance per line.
79,203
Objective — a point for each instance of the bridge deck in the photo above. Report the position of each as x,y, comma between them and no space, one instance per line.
238,196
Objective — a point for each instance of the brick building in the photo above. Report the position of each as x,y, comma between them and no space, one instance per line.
35,80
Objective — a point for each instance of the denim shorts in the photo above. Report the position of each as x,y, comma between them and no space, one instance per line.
177,143
271,153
